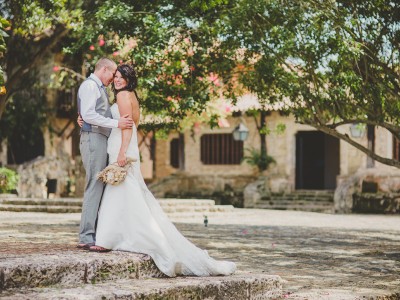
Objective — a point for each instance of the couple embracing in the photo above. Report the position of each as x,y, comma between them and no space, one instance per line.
129,217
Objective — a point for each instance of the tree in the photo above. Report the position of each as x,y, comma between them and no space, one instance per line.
35,28
333,62
174,49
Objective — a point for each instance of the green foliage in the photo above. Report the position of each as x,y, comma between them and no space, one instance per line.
258,159
24,118
8,180
327,62
3,25
177,56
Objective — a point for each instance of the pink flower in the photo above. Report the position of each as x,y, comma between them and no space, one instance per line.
56,68
101,42
190,52
169,98
115,53
214,79
187,41
200,78
169,82
91,47
223,123
228,109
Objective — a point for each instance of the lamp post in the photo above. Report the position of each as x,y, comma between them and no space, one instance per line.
357,130
240,133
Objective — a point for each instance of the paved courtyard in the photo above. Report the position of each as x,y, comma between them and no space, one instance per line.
320,256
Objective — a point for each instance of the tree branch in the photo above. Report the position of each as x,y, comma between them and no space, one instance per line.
59,32
346,138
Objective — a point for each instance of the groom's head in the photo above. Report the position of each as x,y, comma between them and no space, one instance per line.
105,69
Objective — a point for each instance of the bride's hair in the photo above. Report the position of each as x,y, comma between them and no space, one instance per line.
129,74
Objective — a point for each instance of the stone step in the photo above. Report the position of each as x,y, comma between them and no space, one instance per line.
119,275
40,208
314,192
78,202
73,267
185,202
245,286
168,209
295,202
306,198
310,207
42,202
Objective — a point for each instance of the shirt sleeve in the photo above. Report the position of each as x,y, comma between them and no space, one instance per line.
89,93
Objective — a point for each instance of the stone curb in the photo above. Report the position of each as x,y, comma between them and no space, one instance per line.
243,286
71,268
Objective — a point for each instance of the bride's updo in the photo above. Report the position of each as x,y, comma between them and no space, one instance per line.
129,74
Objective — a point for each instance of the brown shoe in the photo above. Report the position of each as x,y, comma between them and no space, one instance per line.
98,249
84,246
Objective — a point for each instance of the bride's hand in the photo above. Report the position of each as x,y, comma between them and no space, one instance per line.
121,159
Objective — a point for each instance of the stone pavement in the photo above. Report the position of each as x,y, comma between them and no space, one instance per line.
320,256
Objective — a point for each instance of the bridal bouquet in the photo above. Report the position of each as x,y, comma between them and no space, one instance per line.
114,174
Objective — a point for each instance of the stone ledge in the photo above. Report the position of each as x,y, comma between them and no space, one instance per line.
73,267
241,286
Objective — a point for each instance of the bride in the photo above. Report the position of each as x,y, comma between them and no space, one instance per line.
130,218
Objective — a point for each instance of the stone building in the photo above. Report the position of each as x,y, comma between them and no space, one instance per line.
200,163
207,162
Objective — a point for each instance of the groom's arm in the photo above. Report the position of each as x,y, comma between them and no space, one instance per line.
89,93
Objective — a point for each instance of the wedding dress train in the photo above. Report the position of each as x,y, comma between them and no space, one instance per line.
131,219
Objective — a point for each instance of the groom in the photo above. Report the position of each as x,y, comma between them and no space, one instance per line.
94,108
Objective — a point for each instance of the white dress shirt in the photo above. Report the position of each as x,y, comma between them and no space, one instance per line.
89,93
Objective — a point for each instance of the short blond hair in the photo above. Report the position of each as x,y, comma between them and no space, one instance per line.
104,62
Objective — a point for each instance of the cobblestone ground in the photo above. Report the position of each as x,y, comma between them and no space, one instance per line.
321,256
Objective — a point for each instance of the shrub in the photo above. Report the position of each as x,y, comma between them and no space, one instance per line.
8,180
255,158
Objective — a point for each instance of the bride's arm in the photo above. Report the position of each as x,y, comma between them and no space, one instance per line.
125,108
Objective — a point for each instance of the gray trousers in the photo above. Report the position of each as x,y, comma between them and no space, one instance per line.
93,147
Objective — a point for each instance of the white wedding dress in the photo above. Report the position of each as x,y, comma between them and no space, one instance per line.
131,219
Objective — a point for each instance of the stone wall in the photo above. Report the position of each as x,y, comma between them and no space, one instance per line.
224,189
35,176
3,153
381,182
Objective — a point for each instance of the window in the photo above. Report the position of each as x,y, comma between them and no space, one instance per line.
177,152
66,103
174,153
396,148
221,149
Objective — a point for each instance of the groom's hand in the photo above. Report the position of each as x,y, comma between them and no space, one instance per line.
80,121
125,122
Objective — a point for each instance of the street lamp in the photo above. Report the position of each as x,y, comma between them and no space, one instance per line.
357,130
240,133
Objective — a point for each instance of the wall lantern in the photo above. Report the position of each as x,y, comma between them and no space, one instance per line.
240,133
357,130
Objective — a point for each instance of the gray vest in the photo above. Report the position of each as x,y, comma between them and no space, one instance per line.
102,108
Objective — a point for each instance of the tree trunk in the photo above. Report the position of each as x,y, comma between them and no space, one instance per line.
263,142
3,99
371,145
